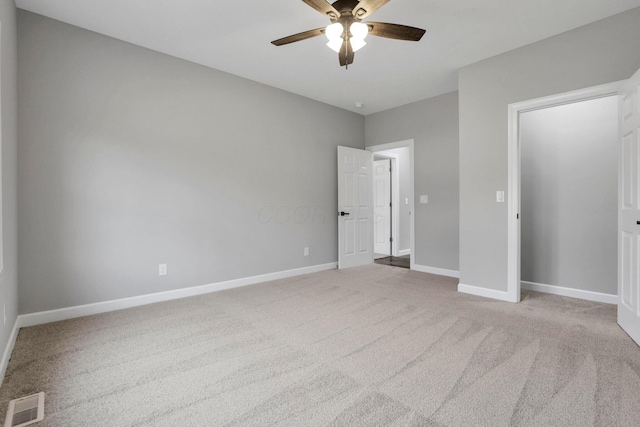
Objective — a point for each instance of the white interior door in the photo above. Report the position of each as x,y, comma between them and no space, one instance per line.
382,206
629,210
355,207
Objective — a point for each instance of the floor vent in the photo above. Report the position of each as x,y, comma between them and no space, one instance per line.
25,410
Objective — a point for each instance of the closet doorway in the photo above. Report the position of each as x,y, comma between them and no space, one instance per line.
572,164
569,195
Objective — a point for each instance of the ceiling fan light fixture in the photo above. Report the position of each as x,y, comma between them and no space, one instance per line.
359,30
357,44
335,44
334,31
346,33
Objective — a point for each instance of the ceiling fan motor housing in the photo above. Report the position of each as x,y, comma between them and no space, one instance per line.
346,8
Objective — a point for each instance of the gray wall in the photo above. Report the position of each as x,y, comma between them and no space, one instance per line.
433,125
569,195
129,158
403,165
602,52
8,278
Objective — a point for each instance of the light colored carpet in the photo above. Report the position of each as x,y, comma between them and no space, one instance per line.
367,346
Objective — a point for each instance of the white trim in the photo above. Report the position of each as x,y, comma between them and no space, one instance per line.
485,292
395,188
390,145
513,206
436,270
404,252
399,144
8,349
39,318
570,292
579,95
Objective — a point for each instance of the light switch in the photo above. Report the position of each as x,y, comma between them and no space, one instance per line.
499,196
406,201
424,199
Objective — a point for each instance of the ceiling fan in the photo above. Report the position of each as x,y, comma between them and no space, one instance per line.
346,33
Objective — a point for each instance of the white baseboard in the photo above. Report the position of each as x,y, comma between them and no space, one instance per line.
436,270
570,292
404,252
6,355
42,317
485,292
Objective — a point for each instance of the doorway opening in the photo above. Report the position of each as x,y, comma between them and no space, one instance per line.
568,191
521,170
393,204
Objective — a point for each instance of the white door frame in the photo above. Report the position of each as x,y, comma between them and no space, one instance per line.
390,146
513,206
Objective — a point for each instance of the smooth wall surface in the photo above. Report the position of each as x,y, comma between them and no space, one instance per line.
599,53
130,158
433,125
569,195
8,84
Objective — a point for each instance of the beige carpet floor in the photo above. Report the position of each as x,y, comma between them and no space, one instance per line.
368,346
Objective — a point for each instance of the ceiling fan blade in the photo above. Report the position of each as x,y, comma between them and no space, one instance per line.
300,36
323,7
346,54
367,7
395,31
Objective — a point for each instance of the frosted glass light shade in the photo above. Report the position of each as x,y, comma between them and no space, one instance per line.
335,44
357,44
359,30
334,31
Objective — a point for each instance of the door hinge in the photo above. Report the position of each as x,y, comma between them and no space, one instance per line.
391,239
517,216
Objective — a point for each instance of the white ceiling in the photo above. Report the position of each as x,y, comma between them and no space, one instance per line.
235,35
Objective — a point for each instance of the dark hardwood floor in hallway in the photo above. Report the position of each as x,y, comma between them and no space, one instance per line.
395,261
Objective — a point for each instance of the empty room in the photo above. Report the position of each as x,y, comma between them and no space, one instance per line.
310,213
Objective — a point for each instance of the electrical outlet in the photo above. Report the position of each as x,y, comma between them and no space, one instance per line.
306,251
162,270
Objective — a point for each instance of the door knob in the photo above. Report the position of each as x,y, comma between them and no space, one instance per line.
343,213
